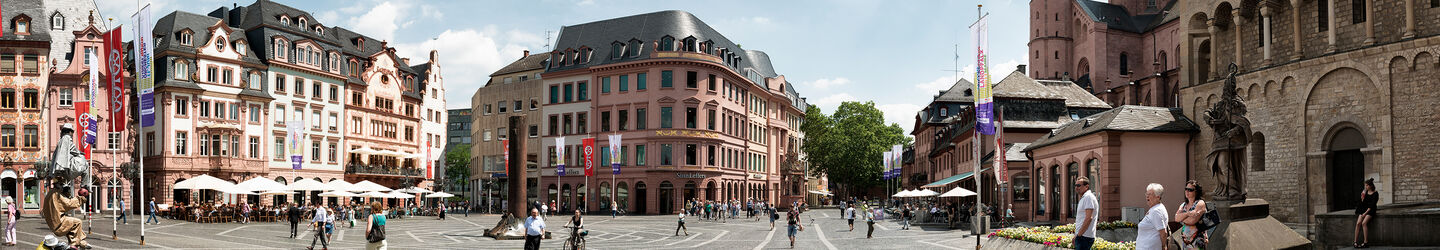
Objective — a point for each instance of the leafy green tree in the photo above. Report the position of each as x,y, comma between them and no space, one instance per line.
848,145
457,164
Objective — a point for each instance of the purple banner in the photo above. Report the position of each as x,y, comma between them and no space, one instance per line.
295,161
560,169
615,168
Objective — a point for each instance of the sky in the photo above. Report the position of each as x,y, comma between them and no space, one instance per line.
896,53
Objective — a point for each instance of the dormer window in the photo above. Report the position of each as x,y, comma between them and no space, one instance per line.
690,44
57,21
181,70
285,20
319,30
354,68
186,37
634,47
239,46
617,50
584,56
22,25
334,61
302,23
667,43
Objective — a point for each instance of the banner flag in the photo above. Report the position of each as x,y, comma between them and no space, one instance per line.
115,64
587,148
560,156
83,122
292,142
144,69
615,154
983,98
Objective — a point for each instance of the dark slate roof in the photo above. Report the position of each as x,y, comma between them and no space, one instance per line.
169,27
1074,95
1124,118
649,28
960,92
1117,18
1018,85
527,63
39,21
1016,152
266,12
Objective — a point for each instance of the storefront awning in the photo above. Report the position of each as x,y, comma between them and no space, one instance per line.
8,174
952,179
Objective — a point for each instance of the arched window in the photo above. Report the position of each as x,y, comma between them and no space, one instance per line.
667,43
302,23
1021,187
634,47
1357,11
1092,171
690,45
1124,64
617,50
1072,172
285,20
1257,152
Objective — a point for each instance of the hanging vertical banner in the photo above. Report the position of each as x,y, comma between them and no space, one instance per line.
886,163
899,161
144,77
615,154
83,122
560,156
292,141
429,164
1000,150
115,64
587,147
983,98
507,156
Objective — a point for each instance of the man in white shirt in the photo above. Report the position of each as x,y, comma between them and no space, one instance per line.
1085,217
850,216
534,230
1152,231
319,221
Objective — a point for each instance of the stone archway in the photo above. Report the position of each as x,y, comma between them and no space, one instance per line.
1344,142
1345,171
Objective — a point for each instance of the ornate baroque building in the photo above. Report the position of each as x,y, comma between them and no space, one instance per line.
1338,91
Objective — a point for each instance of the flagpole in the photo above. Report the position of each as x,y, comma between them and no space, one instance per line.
114,224
979,15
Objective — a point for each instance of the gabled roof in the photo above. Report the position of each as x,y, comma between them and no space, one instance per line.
962,91
1074,95
1018,85
39,21
1124,118
168,26
527,63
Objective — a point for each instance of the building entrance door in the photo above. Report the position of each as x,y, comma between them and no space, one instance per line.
641,198
1347,179
667,198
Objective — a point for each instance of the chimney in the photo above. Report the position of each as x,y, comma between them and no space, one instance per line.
1020,68
406,60
527,54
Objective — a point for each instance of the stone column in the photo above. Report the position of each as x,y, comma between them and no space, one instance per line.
1265,13
1314,189
1214,65
1295,28
1330,33
1369,22
1409,20
1235,28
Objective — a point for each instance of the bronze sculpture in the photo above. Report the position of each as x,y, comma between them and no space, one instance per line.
1232,135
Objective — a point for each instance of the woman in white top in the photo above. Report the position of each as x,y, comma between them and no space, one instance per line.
1154,227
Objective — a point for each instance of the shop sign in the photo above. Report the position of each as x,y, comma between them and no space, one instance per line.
690,176
688,133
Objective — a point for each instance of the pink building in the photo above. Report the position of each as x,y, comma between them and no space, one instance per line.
1123,51
1120,151
700,117
111,149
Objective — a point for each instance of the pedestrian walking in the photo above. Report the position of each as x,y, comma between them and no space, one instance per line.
375,228
294,215
10,213
773,216
245,213
318,222
534,230
1154,228
681,226
905,217
120,209
870,222
794,224
1085,219
614,210
152,211
850,216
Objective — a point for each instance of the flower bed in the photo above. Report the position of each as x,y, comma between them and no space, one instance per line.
1058,236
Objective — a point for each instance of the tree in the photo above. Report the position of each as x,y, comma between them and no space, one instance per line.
848,145
457,164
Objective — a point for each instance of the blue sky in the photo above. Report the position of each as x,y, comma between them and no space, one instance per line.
895,53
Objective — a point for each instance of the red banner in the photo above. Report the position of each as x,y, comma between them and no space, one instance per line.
115,63
429,164
82,124
588,149
507,156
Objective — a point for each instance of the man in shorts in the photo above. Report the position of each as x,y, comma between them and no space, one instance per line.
794,224
850,216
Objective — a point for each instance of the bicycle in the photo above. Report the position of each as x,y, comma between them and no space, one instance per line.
577,238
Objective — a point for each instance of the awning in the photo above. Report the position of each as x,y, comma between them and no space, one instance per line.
819,193
7,174
952,179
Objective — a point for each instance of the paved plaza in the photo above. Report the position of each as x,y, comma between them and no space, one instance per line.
825,229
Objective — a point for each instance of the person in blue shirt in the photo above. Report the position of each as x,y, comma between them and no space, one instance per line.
534,230
153,211
120,209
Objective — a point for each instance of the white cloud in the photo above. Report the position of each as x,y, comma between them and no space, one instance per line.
826,83
381,22
585,3
431,11
829,103
328,16
933,86
999,71
899,113
468,56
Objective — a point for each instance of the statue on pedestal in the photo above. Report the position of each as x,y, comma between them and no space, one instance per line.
68,165
1232,134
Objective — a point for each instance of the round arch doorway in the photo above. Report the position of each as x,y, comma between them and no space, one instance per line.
1346,174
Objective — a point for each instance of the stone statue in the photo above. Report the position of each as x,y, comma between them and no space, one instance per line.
1232,134
68,165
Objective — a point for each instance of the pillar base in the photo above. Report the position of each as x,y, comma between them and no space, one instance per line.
1369,41
1408,35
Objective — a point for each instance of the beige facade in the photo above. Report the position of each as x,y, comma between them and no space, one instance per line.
1336,94
511,91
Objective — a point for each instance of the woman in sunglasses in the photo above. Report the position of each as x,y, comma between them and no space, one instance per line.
1189,216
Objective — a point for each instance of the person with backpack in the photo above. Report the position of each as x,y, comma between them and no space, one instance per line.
375,228
770,208
794,224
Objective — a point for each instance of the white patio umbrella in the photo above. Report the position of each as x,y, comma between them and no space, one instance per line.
416,190
366,186
260,184
400,195
204,182
337,194
277,191
901,194
439,195
373,194
924,193
364,151
340,185
234,190
308,185
958,192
